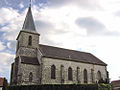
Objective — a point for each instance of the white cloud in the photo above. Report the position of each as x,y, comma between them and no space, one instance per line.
7,15
11,45
21,5
65,33
89,4
6,60
2,47
12,22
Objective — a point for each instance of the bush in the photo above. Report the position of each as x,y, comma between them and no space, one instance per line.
104,86
62,87
106,81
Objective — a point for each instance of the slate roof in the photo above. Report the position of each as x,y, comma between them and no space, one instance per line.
72,55
29,22
29,60
115,83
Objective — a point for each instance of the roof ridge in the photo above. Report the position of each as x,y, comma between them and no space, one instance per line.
65,49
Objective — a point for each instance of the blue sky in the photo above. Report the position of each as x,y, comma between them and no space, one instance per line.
85,25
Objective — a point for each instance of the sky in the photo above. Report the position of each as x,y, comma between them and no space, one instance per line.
85,25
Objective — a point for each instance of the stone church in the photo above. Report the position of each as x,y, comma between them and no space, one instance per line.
37,64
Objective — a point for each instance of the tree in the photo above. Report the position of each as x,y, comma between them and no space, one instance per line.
5,84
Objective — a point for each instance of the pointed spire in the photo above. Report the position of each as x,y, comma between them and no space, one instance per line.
30,3
29,22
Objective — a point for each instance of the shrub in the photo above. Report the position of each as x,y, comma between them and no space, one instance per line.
104,86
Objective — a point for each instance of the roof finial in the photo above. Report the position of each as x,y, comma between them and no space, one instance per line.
30,3
29,22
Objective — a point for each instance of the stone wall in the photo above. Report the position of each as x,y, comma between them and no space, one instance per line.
48,62
24,51
24,36
26,69
22,44
46,72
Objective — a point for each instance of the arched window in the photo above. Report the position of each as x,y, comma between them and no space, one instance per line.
85,76
30,40
77,74
62,73
30,77
92,75
70,73
99,75
53,72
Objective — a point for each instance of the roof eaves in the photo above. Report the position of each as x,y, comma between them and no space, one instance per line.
75,60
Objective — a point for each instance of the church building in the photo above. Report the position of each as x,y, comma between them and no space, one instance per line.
37,64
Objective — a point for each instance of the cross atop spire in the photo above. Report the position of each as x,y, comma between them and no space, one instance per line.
29,22
30,3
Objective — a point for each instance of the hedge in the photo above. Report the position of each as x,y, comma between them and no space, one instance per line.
61,87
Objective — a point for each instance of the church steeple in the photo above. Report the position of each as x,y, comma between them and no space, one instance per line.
29,22
28,38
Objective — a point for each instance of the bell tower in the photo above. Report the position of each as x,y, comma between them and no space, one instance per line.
26,53
28,38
